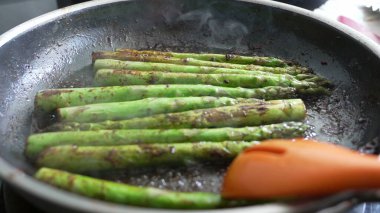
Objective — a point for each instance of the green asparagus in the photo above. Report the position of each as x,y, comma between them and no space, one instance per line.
150,66
142,108
229,116
36,143
229,58
48,100
106,77
164,125
132,195
103,158
206,66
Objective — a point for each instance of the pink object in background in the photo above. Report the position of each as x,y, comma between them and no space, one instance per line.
359,27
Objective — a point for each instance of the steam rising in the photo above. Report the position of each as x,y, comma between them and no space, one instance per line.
220,31
210,24
228,30
202,16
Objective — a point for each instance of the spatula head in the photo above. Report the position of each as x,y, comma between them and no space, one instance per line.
298,168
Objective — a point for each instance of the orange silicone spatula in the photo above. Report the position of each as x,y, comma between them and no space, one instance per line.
299,169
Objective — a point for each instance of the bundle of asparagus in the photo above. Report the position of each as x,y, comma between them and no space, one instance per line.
38,142
167,109
131,67
228,58
51,99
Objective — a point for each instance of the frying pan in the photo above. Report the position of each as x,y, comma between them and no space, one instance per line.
54,50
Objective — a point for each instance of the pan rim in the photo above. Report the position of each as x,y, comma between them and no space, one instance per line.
28,184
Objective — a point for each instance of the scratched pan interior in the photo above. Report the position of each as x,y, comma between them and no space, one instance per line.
56,53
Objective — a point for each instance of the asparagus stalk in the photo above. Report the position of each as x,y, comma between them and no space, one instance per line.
150,66
204,65
142,108
107,77
229,116
132,195
229,58
36,143
48,100
102,158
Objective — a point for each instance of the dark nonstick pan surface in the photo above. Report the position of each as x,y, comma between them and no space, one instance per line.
54,51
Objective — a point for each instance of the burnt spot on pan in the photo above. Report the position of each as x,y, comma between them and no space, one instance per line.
337,118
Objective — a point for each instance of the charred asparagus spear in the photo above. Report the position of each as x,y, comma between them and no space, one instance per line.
229,116
150,66
142,108
146,63
48,100
38,142
100,158
229,58
132,195
107,77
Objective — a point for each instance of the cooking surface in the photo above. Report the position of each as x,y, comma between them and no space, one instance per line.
326,114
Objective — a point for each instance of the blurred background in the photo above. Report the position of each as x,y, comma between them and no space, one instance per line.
362,15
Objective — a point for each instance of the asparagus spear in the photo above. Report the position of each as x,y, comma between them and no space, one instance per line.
106,77
142,108
229,58
229,116
132,195
100,158
130,63
39,142
48,100
150,66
